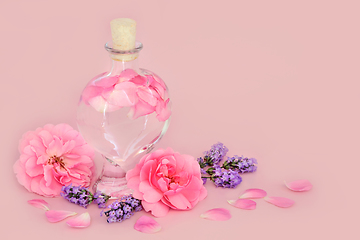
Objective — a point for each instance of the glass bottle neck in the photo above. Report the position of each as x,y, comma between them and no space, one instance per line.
123,59
118,66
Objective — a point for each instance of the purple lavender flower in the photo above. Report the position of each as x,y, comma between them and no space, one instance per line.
119,213
227,174
100,199
215,155
82,196
204,179
77,194
127,208
122,209
202,162
225,178
240,164
112,219
138,208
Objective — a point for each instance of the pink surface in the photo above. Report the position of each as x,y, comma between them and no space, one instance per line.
274,80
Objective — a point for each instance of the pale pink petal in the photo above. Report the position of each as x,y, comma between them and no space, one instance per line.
280,201
39,203
203,194
159,80
55,147
106,82
127,74
146,224
32,168
50,190
246,204
133,183
192,190
151,194
57,216
38,146
100,105
141,108
217,214
81,221
139,80
163,110
148,95
158,209
91,92
25,139
158,88
178,201
253,193
35,185
299,185
21,175
124,94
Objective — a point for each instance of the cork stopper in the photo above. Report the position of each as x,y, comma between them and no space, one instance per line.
123,31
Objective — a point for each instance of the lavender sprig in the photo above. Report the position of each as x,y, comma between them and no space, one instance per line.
83,197
100,199
224,178
240,164
227,174
77,194
214,156
122,209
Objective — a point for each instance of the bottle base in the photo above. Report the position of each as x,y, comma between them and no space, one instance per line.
114,187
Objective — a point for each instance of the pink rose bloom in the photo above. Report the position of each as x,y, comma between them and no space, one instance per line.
165,179
51,157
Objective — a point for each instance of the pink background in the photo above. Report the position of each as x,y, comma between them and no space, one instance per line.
274,80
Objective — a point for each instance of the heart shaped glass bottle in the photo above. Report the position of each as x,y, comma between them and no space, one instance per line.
124,112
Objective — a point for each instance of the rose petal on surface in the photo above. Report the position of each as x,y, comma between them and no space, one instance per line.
253,193
246,204
280,201
217,214
39,203
299,185
146,224
81,221
57,216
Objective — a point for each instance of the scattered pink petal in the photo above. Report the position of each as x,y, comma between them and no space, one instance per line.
246,204
81,221
146,224
280,201
253,193
299,186
39,203
57,216
217,214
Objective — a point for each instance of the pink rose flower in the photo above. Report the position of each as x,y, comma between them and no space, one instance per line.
51,157
142,94
165,179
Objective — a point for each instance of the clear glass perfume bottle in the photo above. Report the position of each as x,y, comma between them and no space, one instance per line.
124,112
